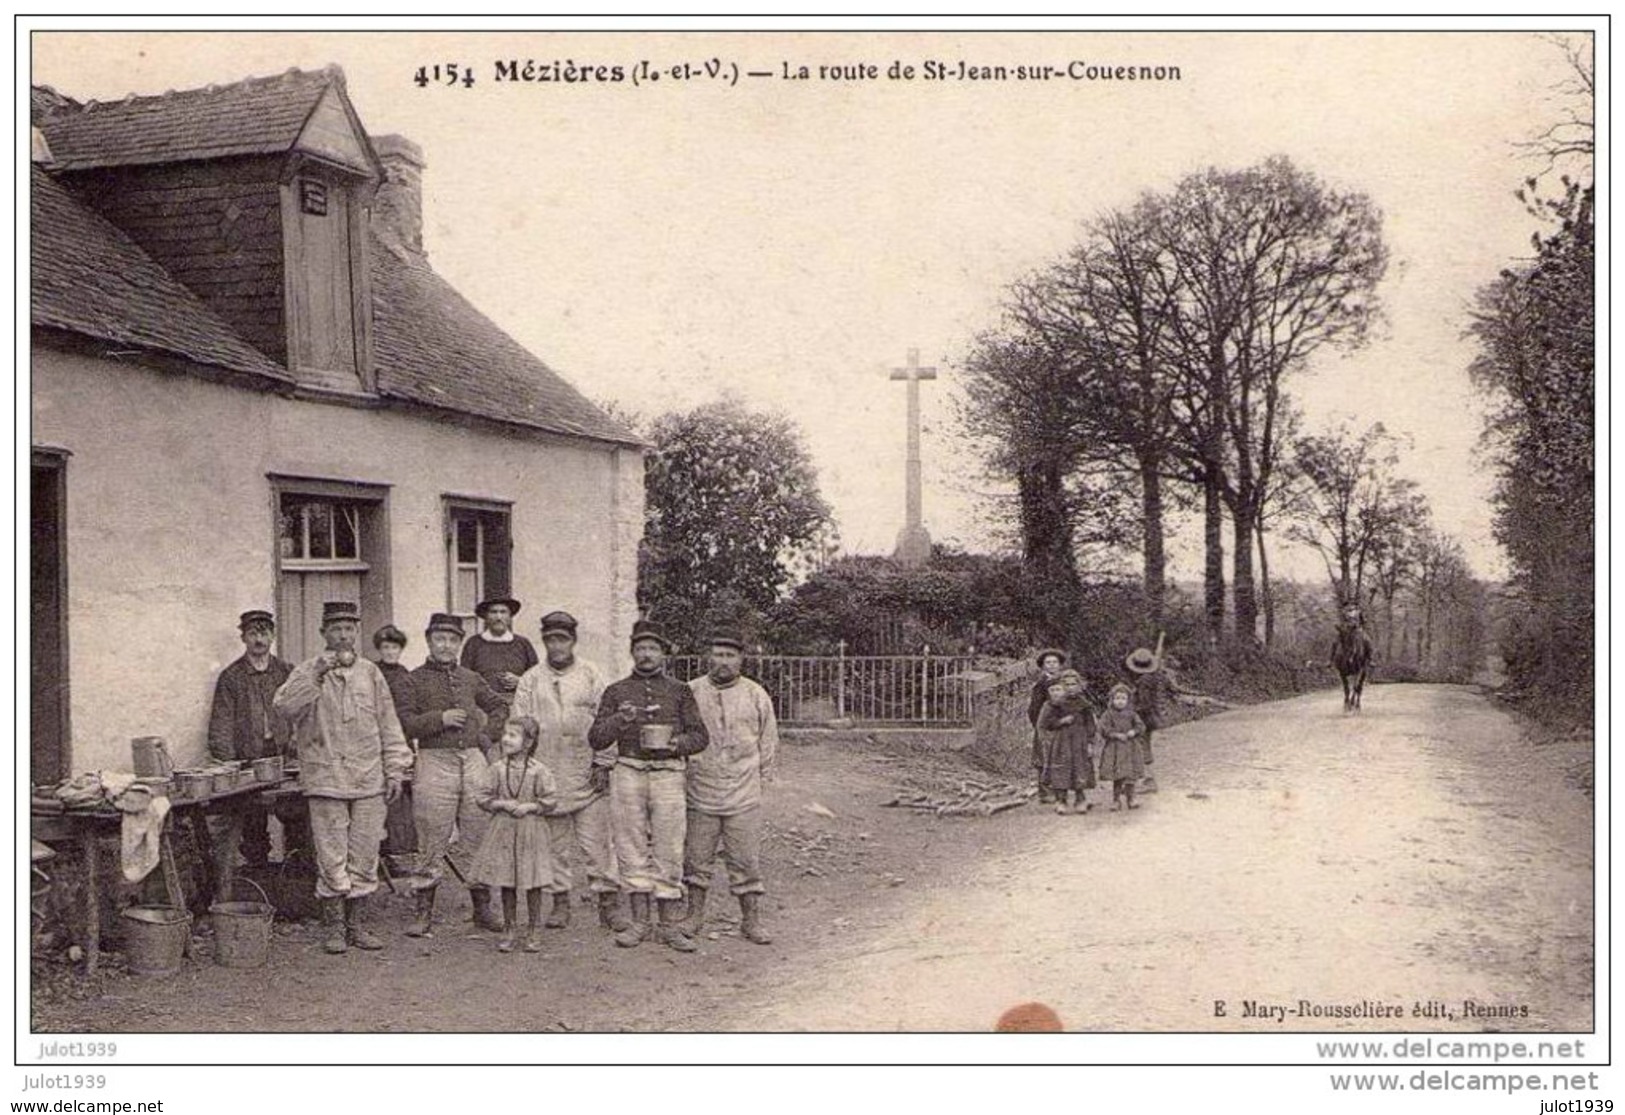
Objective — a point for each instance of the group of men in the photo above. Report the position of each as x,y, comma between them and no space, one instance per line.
656,778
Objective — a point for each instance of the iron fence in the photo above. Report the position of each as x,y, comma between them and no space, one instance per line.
921,689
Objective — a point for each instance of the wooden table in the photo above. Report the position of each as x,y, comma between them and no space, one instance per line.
84,825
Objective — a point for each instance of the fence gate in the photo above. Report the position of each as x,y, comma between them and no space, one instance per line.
918,689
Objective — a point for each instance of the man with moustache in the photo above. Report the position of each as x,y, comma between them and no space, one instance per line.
243,727
561,694
653,725
353,759
448,706
725,787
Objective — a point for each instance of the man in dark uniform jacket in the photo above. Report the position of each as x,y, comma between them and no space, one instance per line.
447,706
500,655
654,724
243,727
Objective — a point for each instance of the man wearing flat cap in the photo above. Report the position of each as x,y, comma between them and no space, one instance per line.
244,727
561,694
447,708
725,787
499,654
653,725
353,760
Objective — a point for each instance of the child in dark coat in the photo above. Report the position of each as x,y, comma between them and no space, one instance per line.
1120,732
1065,725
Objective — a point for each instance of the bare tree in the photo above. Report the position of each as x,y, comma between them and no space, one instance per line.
1272,265
1353,502
1570,140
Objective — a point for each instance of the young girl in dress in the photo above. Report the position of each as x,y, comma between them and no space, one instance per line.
1064,732
1120,731
518,792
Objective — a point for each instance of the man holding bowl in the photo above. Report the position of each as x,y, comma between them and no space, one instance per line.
654,724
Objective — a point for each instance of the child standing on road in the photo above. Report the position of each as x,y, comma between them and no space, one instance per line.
1064,729
1120,731
515,855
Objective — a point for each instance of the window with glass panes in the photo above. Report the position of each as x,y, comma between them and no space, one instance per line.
477,554
318,531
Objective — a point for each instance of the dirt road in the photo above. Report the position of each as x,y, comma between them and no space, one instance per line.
1419,851
1422,851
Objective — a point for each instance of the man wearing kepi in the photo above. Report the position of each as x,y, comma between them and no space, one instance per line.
725,787
500,655
654,725
243,727
352,760
447,708
561,694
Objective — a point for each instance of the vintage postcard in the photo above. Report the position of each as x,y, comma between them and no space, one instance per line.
760,531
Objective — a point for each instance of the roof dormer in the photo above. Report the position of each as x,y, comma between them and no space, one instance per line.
254,195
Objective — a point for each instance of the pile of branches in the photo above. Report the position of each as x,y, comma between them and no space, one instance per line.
972,798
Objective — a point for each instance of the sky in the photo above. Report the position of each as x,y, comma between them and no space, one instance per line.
788,241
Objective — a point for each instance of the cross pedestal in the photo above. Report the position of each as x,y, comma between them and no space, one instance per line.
913,543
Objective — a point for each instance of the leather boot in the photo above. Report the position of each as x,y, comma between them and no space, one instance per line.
510,919
486,915
696,910
356,933
671,927
422,914
638,931
333,926
559,916
610,915
533,911
750,920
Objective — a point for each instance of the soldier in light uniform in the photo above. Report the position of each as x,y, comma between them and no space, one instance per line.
561,694
725,787
353,760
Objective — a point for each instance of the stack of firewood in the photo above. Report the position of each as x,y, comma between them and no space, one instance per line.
971,798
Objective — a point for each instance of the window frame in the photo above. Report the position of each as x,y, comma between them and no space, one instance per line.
481,511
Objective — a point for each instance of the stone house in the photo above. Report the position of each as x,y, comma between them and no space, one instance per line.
250,389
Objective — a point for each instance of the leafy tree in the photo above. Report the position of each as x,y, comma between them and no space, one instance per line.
731,508
1535,328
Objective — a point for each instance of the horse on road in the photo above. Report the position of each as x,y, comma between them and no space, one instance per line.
1351,657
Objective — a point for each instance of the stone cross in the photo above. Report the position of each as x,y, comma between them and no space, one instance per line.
913,543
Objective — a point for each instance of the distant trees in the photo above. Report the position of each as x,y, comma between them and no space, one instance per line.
1157,351
1355,510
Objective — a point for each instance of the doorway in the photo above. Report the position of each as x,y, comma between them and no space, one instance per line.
48,619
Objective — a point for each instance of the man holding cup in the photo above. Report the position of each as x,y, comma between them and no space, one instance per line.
654,724
353,759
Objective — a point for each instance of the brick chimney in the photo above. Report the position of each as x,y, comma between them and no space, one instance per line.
398,207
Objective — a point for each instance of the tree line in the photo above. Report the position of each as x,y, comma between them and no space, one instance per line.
1148,372
1535,329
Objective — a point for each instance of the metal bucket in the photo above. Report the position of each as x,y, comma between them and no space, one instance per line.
242,930
155,938
150,756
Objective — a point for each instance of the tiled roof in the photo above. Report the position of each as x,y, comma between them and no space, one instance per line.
254,117
89,278
43,99
430,346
